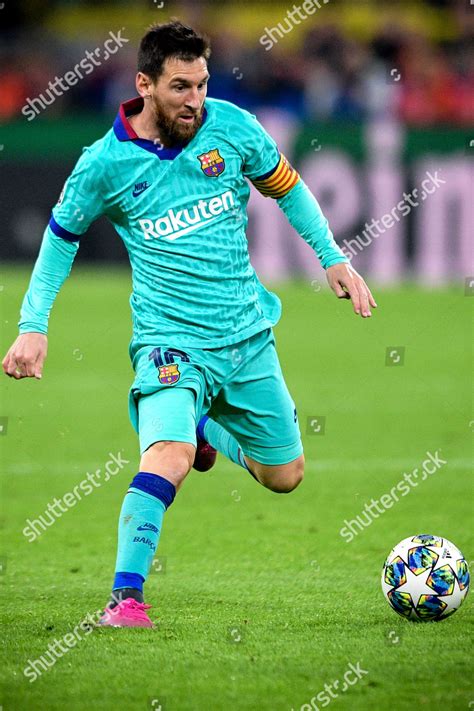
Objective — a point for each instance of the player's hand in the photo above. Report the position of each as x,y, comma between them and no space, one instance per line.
348,284
26,356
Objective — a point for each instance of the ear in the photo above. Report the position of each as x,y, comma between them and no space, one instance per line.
143,84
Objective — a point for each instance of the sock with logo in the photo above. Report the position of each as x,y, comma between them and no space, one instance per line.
220,439
141,518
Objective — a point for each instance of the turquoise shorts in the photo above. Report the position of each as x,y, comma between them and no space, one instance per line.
240,386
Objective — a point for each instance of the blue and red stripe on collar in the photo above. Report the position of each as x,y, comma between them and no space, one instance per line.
122,127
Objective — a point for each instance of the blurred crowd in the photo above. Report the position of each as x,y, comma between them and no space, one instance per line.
329,76
333,76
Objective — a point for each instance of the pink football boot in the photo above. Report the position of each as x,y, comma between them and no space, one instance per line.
128,613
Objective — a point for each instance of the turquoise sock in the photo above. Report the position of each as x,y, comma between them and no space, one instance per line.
141,518
220,439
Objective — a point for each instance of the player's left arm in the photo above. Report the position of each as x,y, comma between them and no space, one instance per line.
274,177
285,185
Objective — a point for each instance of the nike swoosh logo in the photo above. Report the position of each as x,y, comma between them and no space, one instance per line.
138,192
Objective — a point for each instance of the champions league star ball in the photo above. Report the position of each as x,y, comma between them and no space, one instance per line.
425,578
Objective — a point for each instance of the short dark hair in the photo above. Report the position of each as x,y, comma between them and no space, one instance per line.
172,39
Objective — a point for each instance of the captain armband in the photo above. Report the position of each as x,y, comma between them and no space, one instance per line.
279,181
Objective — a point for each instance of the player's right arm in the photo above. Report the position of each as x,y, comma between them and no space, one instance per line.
80,203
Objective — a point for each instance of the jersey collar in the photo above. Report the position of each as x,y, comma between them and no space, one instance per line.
124,131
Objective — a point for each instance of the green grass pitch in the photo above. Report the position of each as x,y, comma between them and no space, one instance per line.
259,601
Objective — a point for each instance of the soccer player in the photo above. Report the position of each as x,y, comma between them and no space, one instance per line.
172,176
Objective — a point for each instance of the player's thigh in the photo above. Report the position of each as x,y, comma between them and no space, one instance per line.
167,432
166,395
257,408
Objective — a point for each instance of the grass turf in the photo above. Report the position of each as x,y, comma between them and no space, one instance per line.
260,601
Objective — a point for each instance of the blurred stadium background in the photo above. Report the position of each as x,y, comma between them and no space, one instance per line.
364,97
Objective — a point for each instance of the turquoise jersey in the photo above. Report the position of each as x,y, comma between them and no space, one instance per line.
182,215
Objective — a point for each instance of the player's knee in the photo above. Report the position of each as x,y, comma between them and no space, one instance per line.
172,460
283,479
291,479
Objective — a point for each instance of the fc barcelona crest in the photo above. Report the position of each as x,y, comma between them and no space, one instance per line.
169,374
212,163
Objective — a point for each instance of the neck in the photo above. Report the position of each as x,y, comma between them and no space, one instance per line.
144,123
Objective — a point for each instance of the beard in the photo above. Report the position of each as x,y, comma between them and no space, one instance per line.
171,131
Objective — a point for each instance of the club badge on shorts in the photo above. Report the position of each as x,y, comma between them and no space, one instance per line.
169,374
212,163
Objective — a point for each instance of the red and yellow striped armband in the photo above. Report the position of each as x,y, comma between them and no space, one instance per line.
279,181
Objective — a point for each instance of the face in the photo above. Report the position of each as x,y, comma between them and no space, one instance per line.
177,99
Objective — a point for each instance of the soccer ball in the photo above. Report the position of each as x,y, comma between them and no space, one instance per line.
425,578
